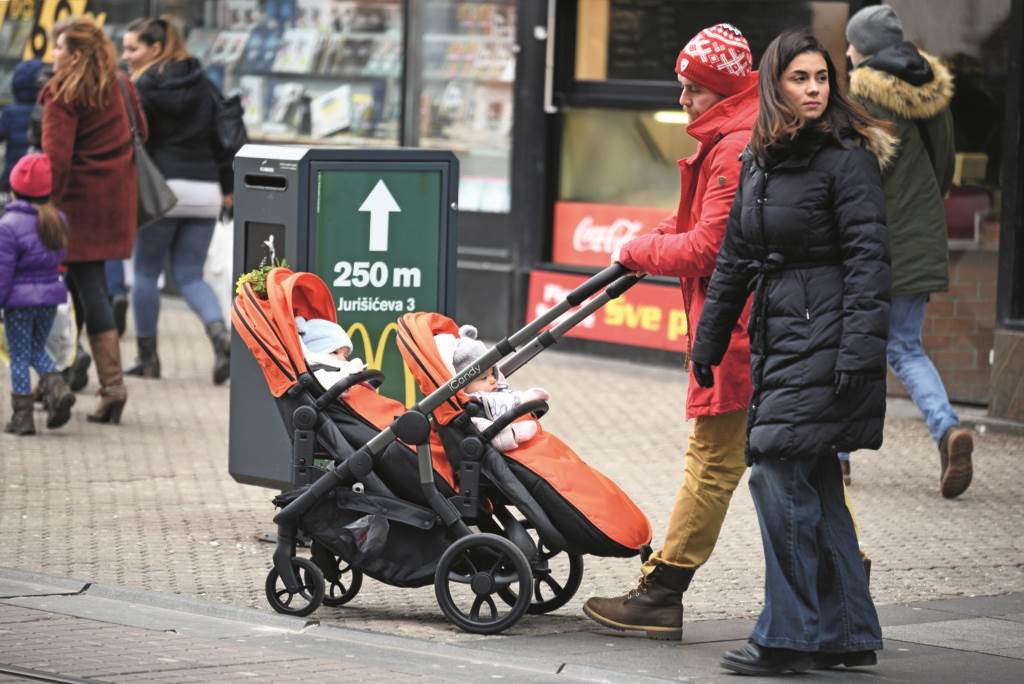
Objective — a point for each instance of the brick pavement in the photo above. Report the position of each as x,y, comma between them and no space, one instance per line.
149,504
101,651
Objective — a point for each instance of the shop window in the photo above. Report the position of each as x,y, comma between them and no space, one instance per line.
309,71
466,101
638,40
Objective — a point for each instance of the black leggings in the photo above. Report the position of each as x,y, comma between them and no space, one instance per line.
87,281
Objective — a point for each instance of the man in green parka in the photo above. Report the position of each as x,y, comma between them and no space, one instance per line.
912,90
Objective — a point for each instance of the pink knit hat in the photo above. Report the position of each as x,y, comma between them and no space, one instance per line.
32,176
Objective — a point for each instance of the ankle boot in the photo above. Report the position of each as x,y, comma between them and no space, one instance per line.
57,398
113,393
220,338
654,607
147,365
21,422
77,374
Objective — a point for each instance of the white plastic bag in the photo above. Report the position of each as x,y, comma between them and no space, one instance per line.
217,269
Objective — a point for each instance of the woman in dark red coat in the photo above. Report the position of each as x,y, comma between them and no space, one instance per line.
87,135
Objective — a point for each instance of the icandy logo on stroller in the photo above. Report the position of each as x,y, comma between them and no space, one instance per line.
464,378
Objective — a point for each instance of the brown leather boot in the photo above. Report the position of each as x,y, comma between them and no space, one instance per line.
955,449
22,422
655,607
57,398
107,353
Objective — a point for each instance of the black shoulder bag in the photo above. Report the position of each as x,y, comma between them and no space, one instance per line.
228,120
155,197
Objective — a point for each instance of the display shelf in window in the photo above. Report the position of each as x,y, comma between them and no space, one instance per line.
468,59
490,19
304,108
14,35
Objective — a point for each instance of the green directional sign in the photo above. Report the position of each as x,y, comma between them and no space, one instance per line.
380,246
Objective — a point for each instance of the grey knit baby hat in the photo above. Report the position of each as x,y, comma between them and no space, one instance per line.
468,348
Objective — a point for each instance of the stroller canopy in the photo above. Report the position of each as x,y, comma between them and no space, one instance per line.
267,326
592,495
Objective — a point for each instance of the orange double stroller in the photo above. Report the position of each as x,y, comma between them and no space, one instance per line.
418,496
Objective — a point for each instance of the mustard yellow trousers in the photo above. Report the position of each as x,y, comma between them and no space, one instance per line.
713,467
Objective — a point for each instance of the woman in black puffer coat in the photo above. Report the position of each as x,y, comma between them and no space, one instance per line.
807,235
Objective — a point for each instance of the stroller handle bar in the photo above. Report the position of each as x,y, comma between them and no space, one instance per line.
614,278
550,337
537,407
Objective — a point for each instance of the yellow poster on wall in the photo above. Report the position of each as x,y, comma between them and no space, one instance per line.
42,15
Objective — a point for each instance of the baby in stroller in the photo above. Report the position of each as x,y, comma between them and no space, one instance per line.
492,392
327,347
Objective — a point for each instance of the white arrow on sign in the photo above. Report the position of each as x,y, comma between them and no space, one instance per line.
380,204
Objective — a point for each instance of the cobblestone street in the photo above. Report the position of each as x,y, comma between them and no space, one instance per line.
150,504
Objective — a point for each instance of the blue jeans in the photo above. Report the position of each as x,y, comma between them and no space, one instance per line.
115,277
816,589
907,358
27,329
187,240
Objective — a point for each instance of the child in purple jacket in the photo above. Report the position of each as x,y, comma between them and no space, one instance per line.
33,236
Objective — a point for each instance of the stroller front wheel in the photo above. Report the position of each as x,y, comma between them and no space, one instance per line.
471,572
554,583
341,579
299,603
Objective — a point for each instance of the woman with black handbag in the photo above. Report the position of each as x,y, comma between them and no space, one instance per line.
184,144
86,132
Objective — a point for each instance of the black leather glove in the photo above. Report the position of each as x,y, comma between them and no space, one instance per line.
702,374
848,383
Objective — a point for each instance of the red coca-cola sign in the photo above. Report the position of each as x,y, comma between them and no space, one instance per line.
588,234
647,315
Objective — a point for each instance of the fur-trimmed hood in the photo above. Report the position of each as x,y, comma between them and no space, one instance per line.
882,144
886,80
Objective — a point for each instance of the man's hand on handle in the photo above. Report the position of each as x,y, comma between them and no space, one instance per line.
615,260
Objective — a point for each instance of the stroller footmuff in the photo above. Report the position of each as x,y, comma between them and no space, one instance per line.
419,496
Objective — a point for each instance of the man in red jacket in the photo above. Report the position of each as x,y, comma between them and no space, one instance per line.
720,97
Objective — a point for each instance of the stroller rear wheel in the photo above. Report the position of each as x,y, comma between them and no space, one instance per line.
309,595
471,571
557,576
341,579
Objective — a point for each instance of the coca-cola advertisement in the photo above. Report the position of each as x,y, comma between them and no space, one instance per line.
588,234
647,315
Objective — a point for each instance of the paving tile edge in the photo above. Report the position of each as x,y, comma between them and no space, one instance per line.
63,583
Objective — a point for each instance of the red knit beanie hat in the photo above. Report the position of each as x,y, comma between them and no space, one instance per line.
717,58
32,176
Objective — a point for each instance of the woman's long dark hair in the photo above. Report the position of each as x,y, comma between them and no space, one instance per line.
777,123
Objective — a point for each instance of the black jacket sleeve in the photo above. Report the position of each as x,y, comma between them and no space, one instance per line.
859,204
727,292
